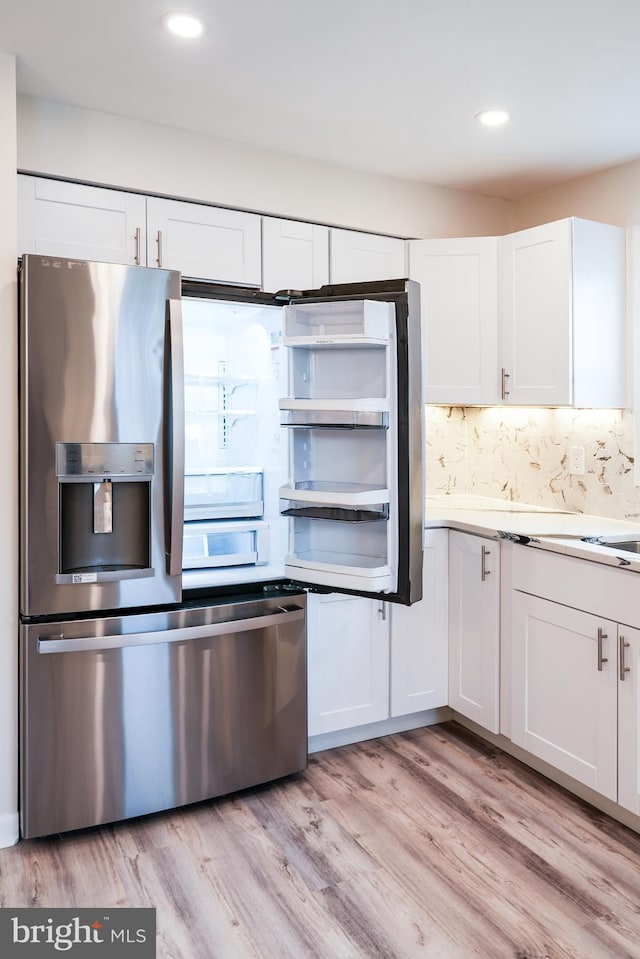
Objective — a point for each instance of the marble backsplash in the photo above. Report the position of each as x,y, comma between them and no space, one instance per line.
522,454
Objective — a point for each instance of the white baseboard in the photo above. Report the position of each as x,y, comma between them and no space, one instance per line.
9,830
359,734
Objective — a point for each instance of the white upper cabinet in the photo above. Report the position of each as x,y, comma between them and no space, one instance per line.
295,256
459,308
562,317
359,257
81,222
204,242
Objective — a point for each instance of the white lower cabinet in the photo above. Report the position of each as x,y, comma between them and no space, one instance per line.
564,689
347,661
629,718
575,686
474,628
369,661
419,636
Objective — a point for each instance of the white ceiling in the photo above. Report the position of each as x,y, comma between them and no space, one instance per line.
387,86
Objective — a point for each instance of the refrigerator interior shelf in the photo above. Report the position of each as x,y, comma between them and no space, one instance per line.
335,419
328,561
372,404
340,514
204,380
335,494
329,342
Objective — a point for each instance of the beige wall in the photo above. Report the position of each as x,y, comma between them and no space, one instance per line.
612,196
114,151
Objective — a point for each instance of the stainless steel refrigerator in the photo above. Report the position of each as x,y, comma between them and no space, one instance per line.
163,648
132,699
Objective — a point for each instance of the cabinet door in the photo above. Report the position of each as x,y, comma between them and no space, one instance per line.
81,222
535,315
204,242
295,256
563,706
419,636
359,257
348,662
474,628
459,296
629,718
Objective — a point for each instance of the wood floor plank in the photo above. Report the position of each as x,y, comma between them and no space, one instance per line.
428,843
315,844
560,829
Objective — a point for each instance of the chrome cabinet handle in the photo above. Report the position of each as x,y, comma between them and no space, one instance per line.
623,669
484,572
383,611
504,390
601,659
137,253
159,242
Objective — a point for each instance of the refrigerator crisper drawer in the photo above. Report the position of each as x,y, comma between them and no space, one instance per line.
133,714
214,544
223,493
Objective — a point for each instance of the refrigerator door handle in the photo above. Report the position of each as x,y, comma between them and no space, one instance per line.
58,644
175,438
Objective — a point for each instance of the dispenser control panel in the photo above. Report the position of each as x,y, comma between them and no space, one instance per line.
79,461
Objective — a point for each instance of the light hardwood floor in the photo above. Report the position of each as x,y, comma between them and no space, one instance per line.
429,843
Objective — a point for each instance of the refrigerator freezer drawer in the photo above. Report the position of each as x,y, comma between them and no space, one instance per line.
133,714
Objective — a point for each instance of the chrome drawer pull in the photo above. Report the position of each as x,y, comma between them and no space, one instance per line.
623,669
601,659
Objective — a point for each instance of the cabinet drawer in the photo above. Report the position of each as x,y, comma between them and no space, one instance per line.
593,587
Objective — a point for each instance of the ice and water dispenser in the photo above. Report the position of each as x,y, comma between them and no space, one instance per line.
104,510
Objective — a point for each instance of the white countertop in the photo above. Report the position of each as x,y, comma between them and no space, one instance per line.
540,527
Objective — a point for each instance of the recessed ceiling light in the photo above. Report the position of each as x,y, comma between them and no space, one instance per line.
492,118
183,25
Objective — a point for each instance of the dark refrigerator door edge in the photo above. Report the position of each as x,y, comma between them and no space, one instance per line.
405,294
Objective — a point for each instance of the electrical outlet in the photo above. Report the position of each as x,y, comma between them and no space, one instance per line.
576,460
